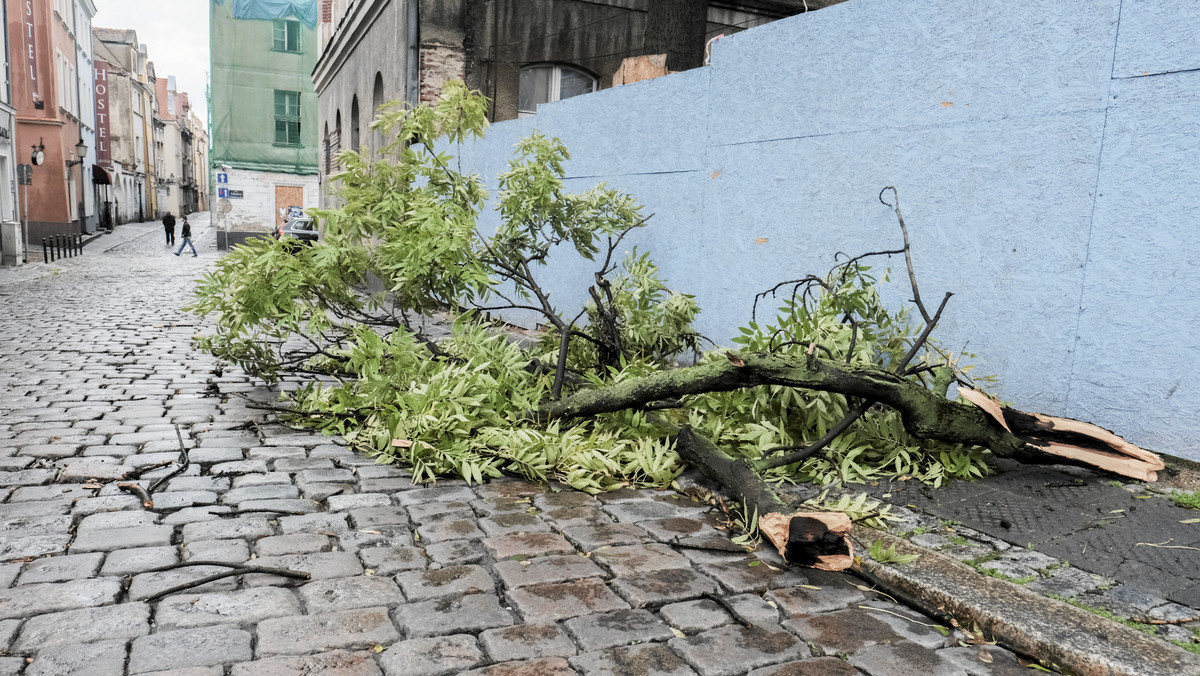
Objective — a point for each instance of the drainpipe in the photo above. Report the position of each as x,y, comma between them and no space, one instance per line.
412,90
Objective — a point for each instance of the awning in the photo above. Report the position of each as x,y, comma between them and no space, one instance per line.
100,175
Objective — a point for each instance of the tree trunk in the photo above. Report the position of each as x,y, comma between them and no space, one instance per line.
926,414
676,28
813,539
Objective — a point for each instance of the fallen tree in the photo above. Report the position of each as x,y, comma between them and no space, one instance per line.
836,388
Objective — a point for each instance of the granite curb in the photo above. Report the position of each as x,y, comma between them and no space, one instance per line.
1068,638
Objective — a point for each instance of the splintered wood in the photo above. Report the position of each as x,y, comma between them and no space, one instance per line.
814,539
1071,439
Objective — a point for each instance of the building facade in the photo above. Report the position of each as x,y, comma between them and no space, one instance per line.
196,172
170,128
12,237
132,102
262,60
54,112
87,191
520,53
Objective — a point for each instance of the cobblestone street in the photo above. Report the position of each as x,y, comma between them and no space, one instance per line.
96,374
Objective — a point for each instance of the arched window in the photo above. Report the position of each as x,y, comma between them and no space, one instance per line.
376,104
335,141
354,124
546,82
328,159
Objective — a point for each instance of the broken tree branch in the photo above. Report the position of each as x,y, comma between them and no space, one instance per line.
814,539
926,414
235,569
136,489
184,461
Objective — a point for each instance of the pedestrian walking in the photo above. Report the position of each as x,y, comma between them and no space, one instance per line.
186,234
169,228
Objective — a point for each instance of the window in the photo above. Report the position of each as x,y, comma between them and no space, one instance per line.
376,104
287,118
68,99
328,163
287,36
354,145
550,82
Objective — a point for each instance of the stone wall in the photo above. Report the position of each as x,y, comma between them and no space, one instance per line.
1045,158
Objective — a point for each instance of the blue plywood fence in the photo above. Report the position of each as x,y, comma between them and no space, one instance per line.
1047,155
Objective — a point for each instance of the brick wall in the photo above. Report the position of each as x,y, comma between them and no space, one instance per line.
440,64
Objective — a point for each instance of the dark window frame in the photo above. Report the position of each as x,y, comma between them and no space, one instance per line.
556,70
286,36
287,120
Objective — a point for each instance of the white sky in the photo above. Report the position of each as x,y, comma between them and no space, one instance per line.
175,33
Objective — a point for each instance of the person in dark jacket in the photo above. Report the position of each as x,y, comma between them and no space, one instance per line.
169,228
186,234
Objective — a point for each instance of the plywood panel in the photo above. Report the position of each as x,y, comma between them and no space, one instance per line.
287,196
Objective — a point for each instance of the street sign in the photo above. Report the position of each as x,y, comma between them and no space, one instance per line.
235,194
25,174
222,177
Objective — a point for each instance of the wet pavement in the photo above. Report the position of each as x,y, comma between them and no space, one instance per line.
1115,545
507,577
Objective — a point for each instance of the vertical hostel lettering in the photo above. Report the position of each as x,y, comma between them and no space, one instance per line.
103,151
30,51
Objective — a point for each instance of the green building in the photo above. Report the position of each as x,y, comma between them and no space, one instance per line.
264,113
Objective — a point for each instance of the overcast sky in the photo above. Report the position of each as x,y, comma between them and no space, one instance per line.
175,33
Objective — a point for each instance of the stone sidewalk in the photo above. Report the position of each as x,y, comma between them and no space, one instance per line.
1119,548
96,376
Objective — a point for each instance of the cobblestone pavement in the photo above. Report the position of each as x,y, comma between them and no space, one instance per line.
507,578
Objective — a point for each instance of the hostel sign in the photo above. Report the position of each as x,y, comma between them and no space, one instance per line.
27,30
103,149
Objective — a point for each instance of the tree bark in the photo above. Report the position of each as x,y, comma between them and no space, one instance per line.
676,28
926,414
813,539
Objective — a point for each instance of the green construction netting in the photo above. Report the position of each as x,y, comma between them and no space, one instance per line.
304,10
263,105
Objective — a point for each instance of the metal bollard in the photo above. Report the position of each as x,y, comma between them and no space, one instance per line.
79,244
58,244
45,252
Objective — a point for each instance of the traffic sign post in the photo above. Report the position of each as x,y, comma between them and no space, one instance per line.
25,178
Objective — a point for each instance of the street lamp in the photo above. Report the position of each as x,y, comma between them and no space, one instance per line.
81,149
